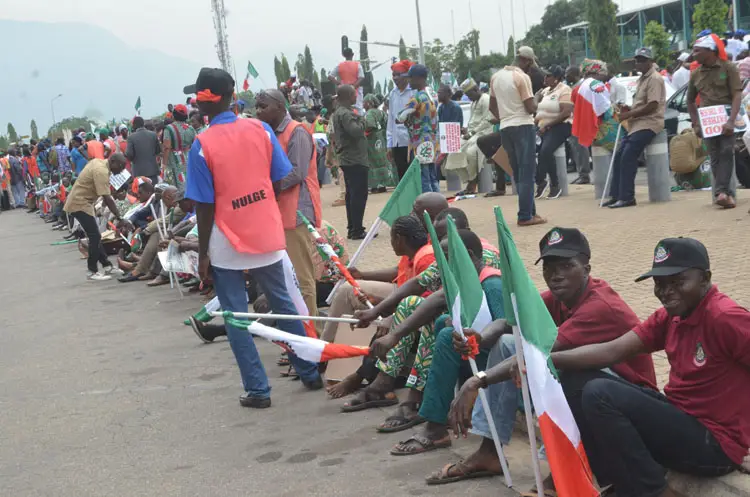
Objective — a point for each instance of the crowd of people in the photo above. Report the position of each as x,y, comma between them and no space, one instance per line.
237,193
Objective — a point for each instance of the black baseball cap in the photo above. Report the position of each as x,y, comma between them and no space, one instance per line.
418,71
217,80
675,255
563,242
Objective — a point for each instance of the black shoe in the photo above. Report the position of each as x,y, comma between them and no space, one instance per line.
609,202
358,236
554,192
622,203
255,402
206,332
316,384
584,180
541,189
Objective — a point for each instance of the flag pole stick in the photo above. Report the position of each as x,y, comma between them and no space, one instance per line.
609,171
288,317
357,254
526,399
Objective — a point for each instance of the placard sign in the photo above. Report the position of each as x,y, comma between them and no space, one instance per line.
714,118
450,138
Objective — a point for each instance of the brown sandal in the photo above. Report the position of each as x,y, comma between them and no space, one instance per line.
369,399
424,445
464,473
401,420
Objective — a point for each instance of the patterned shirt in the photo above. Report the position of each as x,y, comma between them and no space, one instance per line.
420,117
326,272
63,158
430,280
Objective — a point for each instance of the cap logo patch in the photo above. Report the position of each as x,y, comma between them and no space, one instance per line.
700,355
554,238
661,254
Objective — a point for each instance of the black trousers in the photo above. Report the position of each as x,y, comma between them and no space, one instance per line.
355,179
96,249
401,159
633,434
489,145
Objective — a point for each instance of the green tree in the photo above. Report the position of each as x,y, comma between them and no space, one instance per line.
548,40
71,123
316,80
511,48
390,85
12,135
34,130
602,18
299,68
658,39
378,88
285,71
308,66
323,74
364,54
277,70
402,52
710,14
4,143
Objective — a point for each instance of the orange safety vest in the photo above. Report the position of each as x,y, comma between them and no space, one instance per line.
488,272
289,198
406,266
112,146
63,194
95,149
488,246
239,157
349,72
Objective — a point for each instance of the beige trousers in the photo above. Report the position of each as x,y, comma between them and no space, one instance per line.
298,243
345,302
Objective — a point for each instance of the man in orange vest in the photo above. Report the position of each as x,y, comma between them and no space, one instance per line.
299,189
234,170
350,72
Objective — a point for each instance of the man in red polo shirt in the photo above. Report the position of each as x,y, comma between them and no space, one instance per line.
585,309
234,170
701,425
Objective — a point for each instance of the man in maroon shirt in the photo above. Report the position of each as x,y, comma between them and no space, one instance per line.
585,309
701,426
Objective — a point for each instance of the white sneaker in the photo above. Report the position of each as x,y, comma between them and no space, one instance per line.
98,276
113,271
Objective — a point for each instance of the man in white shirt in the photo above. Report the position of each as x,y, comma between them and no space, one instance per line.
397,136
681,76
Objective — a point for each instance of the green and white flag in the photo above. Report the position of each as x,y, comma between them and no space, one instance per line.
251,70
138,105
402,199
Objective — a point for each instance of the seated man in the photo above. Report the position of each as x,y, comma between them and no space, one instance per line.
585,309
446,365
700,425
379,284
401,303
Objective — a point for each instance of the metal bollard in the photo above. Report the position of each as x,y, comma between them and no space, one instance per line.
562,170
486,182
453,181
657,169
602,159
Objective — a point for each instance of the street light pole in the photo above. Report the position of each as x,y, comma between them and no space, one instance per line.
52,106
419,32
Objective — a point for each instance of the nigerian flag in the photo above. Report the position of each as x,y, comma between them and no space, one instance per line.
251,70
402,199
138,104
525,309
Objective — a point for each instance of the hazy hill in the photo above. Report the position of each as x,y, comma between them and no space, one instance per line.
96,72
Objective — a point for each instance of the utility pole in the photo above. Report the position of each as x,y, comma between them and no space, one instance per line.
513,25
419,32
52,106
453,27
222,41
471,17
503,39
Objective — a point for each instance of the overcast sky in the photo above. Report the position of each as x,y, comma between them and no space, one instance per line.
259,29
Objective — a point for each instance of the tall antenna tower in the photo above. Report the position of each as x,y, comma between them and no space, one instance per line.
222,42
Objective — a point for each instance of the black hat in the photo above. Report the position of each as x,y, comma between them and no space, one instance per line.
675,255
563,242
418,71
218,81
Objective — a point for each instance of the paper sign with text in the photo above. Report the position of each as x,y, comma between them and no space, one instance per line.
714,117
450,138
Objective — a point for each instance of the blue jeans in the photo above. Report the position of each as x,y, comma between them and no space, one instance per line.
430,182
19,194
520,144
625,165
230,288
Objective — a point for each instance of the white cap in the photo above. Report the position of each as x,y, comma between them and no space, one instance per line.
683,57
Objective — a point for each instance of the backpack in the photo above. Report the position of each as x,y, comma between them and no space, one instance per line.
686,152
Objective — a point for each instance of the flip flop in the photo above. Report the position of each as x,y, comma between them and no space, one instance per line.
425,445
369,401
533,493
160,282
128,278
405,422
441,477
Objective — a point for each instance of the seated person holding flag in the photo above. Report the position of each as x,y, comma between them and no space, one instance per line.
700,425
586,311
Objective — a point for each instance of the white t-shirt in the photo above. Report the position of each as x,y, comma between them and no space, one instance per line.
511,87
680,78
225,256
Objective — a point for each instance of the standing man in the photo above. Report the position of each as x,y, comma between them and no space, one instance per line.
63,156
91,184
233,170
645,120
526,60
299,190
420,117
681,76
468,165
512,103
143,148
717,82
350,72
397,135
17,184
351,148
581,154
